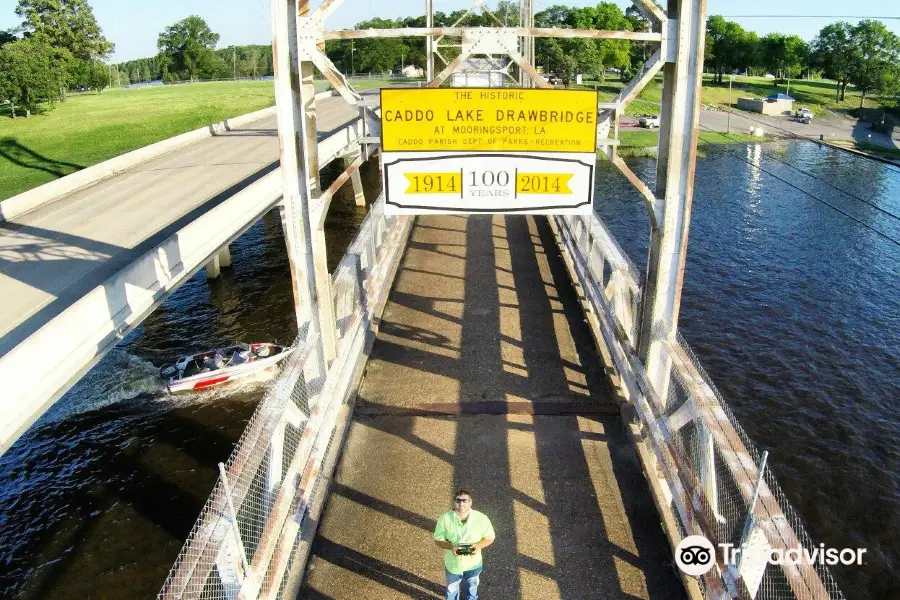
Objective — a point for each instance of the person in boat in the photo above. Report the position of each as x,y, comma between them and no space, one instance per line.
214,362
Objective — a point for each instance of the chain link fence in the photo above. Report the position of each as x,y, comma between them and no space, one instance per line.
699,451
253,535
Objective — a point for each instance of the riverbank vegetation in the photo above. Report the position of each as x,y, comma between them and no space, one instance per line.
643,142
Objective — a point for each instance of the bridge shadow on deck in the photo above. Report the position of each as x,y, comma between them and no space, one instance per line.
484,376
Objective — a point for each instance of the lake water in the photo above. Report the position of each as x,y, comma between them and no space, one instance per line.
792,307
794,310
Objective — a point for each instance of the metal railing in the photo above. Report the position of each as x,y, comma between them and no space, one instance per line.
700,463
253,535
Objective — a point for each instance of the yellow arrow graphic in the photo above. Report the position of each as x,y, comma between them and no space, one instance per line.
434,183
543,183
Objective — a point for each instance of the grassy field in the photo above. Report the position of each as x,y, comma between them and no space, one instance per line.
818,95
90,128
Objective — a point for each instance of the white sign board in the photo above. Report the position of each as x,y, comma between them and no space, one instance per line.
480,150
488,183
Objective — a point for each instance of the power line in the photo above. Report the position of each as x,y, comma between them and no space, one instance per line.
813,196
817,178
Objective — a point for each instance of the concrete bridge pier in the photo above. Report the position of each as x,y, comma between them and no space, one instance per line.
221,259
355,181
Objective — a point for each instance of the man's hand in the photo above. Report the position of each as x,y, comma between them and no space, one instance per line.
482,543
445,545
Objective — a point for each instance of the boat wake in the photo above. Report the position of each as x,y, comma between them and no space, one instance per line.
119,377
238,390
122,377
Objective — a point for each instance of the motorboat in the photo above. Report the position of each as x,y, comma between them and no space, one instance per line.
214,367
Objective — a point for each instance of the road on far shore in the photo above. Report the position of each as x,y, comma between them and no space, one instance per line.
832,127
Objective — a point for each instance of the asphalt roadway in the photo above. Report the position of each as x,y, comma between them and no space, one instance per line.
54,255
484,376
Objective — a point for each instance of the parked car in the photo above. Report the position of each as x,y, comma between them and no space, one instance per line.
551,78
649,122
803,114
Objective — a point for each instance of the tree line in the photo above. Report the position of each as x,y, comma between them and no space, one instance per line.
866,54
240,62
58,47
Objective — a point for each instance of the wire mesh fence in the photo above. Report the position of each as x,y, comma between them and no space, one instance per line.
704,455
253,534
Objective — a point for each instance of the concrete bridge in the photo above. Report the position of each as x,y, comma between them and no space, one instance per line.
82,268
521,357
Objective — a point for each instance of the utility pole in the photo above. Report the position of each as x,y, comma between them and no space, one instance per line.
728,118
429,42
352,50
234,63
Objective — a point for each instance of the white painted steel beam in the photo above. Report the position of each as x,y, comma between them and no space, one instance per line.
677,158
597,34
293,137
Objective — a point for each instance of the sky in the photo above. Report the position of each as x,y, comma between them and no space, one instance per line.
133,25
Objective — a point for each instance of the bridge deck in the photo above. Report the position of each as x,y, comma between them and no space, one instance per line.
484,376
53,255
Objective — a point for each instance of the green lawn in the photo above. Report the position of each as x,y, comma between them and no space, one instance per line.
90,128
818,95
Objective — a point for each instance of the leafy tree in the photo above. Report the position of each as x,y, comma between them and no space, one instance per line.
124,80
640,52
875,49
889,84
729,47
561,63
97,76
374,55
144,73
833,52
784,55
6,37
508,12
590,56
606,15
186,50
68,26
26,74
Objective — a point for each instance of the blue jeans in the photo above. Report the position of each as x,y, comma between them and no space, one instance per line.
469,580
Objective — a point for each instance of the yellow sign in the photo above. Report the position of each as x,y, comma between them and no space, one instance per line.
476,119
543,183
434,183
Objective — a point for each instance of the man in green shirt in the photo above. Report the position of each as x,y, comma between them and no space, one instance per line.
463,533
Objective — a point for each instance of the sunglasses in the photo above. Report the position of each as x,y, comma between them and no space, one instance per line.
462,500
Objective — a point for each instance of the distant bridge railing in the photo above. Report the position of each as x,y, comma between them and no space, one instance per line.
702,467
253,536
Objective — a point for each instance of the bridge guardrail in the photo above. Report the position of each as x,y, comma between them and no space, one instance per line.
700,463
253,536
